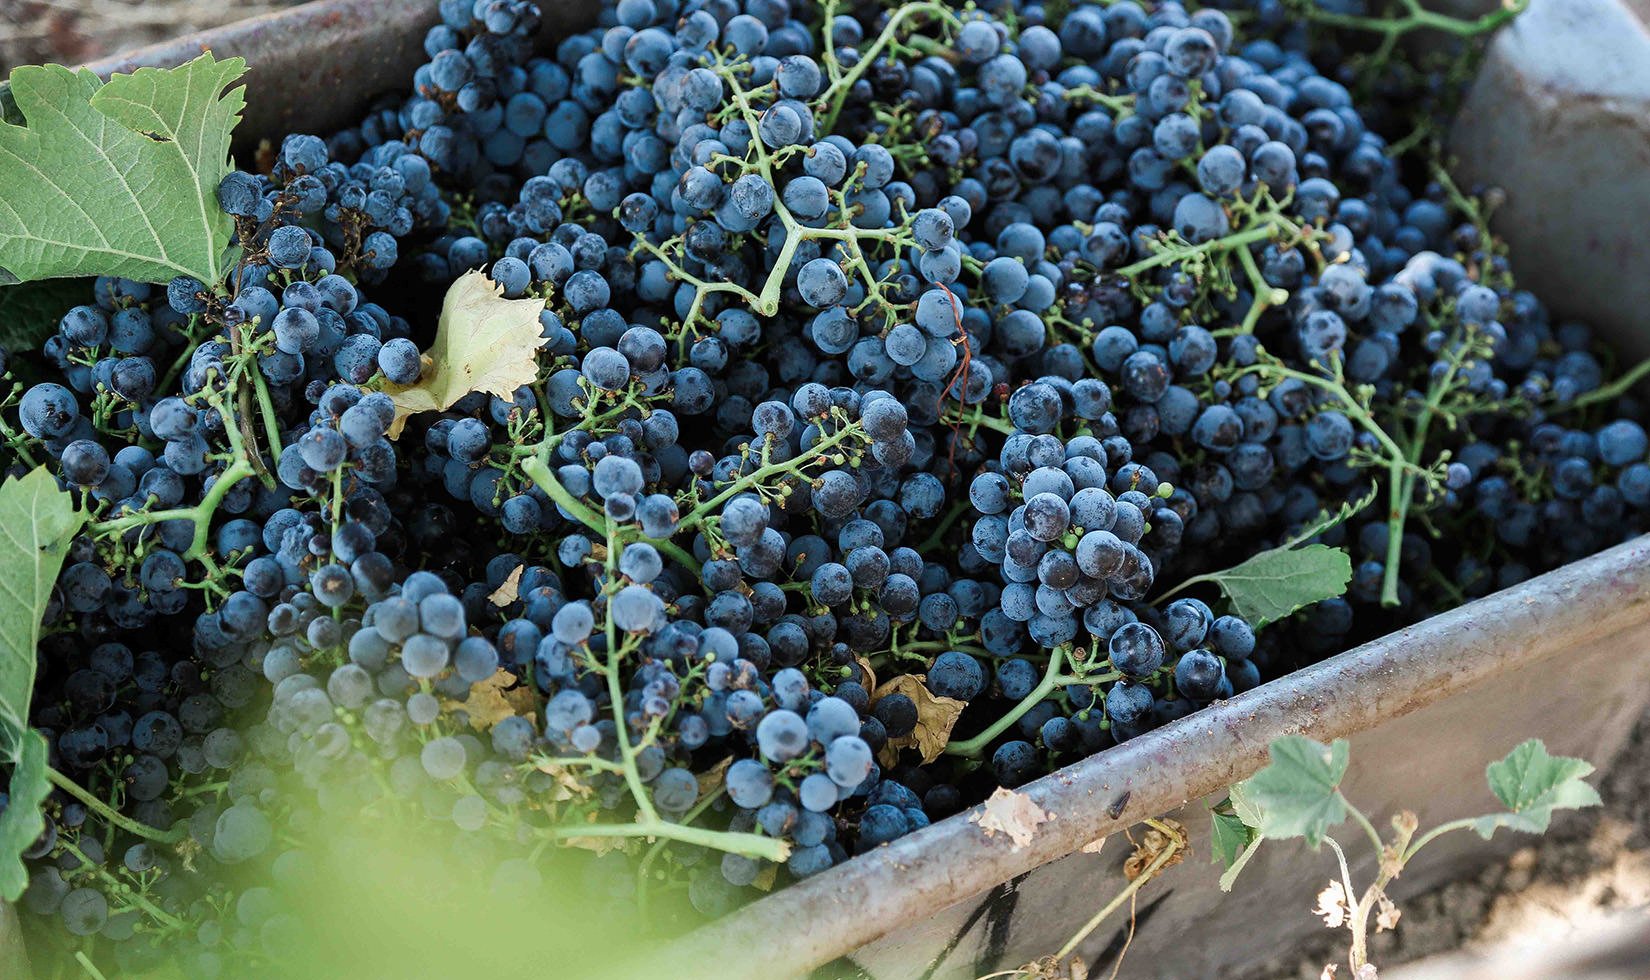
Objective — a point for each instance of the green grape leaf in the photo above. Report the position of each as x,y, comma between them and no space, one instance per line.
1298,794
21,822
1228,837
37,520
1275,583
1532,784
118,178
1243,806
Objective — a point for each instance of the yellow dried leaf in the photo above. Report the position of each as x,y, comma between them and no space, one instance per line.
494,699
766,878
598,845
483,342
870,683
509,591
1093,846
1011,813
1151,846
711,779
936,716
568,785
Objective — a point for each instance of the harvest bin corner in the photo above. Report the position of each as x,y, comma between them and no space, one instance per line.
1562,657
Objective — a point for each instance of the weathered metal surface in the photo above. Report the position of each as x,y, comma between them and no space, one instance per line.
318,67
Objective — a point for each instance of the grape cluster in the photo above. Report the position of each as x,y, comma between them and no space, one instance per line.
895,367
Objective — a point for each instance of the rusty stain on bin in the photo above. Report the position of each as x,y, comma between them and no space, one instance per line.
902,904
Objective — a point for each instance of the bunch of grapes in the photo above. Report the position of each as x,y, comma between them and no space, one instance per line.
894,368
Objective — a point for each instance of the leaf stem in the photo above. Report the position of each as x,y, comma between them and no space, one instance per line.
1465,823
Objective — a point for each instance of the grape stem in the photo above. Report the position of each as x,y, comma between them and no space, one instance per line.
122,889
836,95
539,472
1416,17
648,823
750,845
112,815
1613,390
87,965
1052,678
200,514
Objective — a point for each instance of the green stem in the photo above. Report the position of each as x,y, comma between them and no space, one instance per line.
87,965
121,888
1611,391
540,474
200,514
1267,229
934,539
266,409
1465,823
590,762
1402,477
750,845
755,478
836,95
1363,821
1417,18
1052,678
615,694
112,815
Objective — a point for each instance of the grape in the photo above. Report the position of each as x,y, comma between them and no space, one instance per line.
443,758
956,675
848,760
749,783
782,736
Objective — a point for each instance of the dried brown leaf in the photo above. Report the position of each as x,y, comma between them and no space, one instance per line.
711,779
870,683
599,845
1151,844
936,716
495,699
1011,813
568,784
510,591
1093,846
483,342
